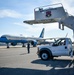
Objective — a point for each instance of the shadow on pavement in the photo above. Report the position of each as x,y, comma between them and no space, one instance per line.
24,71
59,66
55,62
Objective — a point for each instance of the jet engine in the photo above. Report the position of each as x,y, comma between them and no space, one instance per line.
13,44
34,43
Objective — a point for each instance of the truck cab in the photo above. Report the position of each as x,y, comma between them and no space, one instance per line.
61,47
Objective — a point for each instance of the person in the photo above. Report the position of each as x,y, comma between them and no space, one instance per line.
28,47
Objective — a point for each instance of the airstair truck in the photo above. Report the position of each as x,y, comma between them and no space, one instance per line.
61,47
51,14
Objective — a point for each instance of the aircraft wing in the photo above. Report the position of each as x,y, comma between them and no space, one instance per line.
31,39
31,22
40,39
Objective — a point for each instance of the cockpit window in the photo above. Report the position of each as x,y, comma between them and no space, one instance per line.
3,37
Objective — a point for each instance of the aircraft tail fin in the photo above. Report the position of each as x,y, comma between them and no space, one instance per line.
42,33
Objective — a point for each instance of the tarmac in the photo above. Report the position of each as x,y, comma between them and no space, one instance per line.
17,61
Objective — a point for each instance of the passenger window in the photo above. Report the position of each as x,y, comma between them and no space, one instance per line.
70,41
62,42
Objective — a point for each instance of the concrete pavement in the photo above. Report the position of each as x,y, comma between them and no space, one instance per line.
16,61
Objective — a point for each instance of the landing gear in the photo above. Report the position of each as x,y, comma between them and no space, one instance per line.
7,45
23,45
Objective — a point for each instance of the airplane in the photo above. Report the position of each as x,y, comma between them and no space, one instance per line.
14,40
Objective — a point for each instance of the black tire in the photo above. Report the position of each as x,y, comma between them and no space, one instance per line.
44,55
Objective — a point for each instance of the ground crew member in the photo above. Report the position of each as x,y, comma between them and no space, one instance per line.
28,47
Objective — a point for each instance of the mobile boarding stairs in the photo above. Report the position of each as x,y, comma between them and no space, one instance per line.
52,13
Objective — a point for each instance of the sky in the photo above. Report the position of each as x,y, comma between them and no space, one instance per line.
14,12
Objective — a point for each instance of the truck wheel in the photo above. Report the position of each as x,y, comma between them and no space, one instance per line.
44,55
